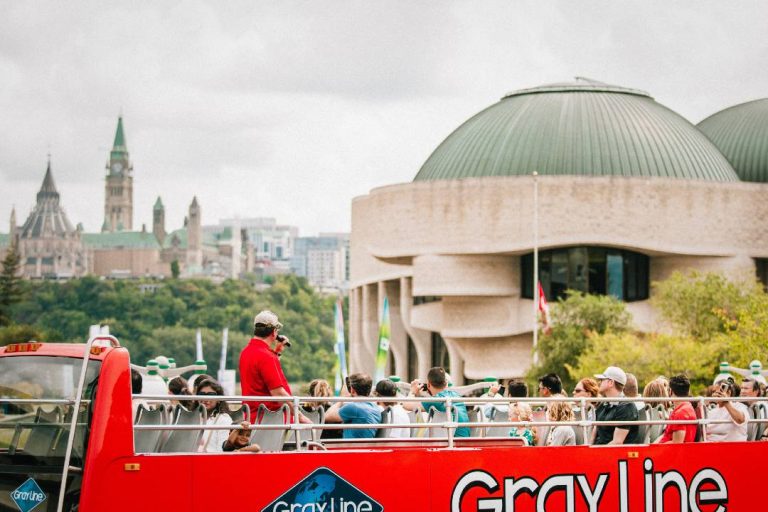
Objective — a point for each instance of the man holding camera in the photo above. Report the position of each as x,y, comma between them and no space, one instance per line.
260,371
731,415
437,386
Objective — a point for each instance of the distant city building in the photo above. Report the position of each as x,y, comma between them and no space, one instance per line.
323,260
52,248
48,244
628,193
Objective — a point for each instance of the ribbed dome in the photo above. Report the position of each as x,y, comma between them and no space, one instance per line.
580,128
741,134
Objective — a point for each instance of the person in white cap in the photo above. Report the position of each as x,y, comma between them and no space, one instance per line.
260,371
612,382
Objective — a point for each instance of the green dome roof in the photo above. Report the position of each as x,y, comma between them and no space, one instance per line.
580,128
741,134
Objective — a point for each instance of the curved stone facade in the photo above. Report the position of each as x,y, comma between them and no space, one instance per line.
456,246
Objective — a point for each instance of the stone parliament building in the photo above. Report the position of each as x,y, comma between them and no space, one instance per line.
628,192
51,248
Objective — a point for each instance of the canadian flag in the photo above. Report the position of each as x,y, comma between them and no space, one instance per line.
546,324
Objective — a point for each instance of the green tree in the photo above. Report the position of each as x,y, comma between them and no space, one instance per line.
10,283
175,272
19,333
696,304
648,356
574,319
744,337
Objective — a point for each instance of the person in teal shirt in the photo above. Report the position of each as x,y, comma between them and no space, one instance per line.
437,386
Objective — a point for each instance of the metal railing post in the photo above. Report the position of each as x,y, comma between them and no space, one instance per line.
449,414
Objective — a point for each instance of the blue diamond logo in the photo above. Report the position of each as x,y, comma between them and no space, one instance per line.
323,491
28,495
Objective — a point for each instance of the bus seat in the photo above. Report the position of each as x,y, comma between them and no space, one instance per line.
496,416
148,441
241,414
184,440
271,440
317,416
475,415
386,418
643,432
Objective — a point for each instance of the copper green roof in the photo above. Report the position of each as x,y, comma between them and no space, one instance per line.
741,134
121,240
158,204
180,235
119,148
579,128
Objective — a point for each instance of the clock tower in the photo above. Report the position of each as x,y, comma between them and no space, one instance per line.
118,192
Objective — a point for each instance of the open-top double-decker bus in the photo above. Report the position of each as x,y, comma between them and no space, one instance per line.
54,459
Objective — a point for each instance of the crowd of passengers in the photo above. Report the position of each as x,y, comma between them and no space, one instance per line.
262,375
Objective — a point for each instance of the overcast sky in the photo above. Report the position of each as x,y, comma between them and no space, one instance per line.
290,109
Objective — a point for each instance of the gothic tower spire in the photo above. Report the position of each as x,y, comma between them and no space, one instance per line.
118,193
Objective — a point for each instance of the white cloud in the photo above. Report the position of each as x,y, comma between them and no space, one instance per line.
291,109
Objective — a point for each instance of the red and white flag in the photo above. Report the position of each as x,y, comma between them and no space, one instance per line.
546,325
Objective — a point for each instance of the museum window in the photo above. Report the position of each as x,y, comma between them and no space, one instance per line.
425,299
761,266
596,270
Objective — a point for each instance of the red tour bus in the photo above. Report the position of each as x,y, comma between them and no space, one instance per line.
52,459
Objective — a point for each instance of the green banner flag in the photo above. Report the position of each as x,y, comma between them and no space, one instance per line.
383,352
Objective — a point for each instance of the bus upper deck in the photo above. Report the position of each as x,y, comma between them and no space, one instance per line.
99,459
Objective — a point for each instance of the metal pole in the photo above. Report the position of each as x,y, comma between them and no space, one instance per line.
535,268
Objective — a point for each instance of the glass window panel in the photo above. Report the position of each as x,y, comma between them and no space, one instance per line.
558,274
597,271
578,265
615,271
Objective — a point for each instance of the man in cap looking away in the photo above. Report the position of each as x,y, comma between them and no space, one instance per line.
260,371
612,382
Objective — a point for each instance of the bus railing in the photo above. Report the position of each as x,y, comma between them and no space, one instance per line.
450,426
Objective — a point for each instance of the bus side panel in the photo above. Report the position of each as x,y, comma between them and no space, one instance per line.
559,478
254,482
144,483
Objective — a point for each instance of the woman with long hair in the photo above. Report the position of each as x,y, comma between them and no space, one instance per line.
218,414
560,435
321,389
178,386
586,388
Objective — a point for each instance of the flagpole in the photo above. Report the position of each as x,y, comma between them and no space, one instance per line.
536,297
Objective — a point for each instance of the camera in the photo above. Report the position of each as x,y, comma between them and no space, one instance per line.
424,387
724,387
502,390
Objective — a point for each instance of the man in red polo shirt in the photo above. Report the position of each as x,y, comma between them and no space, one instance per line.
260,370
679,385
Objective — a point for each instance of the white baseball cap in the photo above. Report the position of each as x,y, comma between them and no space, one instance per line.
267,319
614,373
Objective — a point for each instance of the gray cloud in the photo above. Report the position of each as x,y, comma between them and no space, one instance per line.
291,109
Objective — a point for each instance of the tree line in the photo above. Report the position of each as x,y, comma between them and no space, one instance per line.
160,317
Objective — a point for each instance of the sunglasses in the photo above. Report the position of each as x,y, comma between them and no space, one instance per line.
578,390
207,393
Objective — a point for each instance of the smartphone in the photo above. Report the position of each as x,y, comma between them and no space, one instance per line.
502,390
724,387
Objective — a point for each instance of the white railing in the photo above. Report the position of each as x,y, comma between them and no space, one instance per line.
583,403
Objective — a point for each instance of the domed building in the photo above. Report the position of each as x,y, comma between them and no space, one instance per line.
628,192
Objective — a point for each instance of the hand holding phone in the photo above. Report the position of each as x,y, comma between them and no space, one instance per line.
502,390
